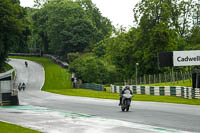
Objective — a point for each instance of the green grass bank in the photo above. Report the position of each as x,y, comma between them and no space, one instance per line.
56,77
5,68
186,83
11,128
57,80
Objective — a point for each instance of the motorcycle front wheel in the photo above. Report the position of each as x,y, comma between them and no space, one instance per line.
127,108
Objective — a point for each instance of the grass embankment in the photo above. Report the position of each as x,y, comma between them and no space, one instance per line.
186,83
57,80
5,68
11,128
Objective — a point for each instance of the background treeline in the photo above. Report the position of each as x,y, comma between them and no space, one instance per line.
76,32
14,30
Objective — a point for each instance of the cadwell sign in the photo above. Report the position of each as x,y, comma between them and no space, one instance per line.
186,58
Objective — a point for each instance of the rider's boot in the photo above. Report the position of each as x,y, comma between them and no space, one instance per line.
120,103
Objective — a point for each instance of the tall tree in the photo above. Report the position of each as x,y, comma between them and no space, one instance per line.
39,30
102,24
175,14
196,13
67,26
10,26
119,51
161,24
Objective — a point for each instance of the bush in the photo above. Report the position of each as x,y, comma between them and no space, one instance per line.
91,69
70,57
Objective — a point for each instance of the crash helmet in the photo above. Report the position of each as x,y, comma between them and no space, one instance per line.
127,87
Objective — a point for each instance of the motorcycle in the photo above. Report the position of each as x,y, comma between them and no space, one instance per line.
126,102
26,64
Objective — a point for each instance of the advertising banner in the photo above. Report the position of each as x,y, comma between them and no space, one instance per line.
186,58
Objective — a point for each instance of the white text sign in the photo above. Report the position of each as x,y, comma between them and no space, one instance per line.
186,58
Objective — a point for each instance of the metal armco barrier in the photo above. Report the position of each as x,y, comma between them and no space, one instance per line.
25,54
57,61
92,86
53,58
179,91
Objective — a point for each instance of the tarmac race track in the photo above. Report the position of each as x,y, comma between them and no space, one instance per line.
55,113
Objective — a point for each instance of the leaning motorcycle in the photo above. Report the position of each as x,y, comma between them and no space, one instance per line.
126,102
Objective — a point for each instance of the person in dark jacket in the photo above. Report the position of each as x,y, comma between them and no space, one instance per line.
23,86
125,91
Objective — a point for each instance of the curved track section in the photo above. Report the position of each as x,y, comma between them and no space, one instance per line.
57,113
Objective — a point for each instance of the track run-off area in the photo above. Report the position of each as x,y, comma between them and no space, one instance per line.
53,113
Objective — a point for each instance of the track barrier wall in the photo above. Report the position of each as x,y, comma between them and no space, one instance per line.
179,91
53,58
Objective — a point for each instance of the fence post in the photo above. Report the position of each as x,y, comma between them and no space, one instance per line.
165,77
149,79
182,77
177,79
171,79
189,76
159,78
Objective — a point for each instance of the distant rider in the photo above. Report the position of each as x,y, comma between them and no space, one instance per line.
125,91
26,63
23,86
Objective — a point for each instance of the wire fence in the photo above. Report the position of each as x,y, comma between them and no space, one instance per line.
161,78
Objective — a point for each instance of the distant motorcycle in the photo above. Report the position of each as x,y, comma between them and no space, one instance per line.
26,64
126,102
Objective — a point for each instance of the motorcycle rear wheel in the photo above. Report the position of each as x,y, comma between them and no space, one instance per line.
123,109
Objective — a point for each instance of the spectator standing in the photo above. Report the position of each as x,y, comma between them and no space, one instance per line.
75,83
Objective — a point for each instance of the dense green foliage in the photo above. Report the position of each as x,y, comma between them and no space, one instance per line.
66,26
12,29
92,69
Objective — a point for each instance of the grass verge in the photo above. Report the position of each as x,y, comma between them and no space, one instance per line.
56,77
57,80
6,68
11,128
186,83
115,96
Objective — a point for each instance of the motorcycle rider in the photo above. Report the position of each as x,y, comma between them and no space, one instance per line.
26,63
23,86
125,91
